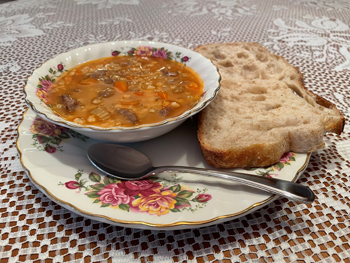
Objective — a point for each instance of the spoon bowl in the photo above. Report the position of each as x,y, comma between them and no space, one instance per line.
119,161
126,163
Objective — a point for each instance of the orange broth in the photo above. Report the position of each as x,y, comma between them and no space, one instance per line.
125,91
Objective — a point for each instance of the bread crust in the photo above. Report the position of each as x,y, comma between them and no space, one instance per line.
261,153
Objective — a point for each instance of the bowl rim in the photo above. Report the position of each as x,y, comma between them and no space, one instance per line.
188,113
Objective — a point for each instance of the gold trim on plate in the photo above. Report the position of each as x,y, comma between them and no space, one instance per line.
134,223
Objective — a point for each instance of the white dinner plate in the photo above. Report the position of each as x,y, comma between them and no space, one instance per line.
55,160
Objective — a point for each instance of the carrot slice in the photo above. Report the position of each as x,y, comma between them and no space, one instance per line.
121,85
163,95
89,81
127,103
78,72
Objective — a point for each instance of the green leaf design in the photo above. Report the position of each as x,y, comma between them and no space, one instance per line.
94,177
185,194
175,188
175,210
77,176
180,201
105,205
279,165
55,140
124,207
64,135
93,195
34,136
45,139
96,201
292,159
108,180
97,187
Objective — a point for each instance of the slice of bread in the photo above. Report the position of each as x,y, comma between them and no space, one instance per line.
262,109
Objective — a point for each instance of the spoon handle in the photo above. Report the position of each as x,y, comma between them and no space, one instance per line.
279,187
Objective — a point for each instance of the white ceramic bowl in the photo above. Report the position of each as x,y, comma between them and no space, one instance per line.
40,80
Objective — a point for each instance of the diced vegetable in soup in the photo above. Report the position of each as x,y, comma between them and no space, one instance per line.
125,91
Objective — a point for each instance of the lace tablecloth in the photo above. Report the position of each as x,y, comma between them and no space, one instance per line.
312,35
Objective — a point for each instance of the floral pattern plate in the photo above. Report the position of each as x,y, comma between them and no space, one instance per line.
56,162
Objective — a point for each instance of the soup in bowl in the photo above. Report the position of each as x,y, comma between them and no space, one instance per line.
125,91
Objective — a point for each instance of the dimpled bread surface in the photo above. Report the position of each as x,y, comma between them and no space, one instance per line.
262,109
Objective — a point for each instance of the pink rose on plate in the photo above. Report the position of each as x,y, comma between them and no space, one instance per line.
158,203
202,198
43,127
72,185
286,157
112,194
160,53
143,187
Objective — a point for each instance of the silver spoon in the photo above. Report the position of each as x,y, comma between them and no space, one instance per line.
126,163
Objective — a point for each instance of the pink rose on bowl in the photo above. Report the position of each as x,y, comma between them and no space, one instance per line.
202,198
143,51
41,94
43,127
46,84
72,185
115,53
185,59
50,149
60,67
142,187
112,194
160,53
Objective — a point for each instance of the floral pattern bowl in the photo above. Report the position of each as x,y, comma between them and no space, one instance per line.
40,81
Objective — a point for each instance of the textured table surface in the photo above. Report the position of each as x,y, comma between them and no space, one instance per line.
312,35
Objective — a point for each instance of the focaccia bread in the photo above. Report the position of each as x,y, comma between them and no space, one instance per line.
262,109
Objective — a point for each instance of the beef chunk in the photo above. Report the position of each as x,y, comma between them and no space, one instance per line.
106,93
129,114
165,111
109,81
98,74
69,103
169,73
